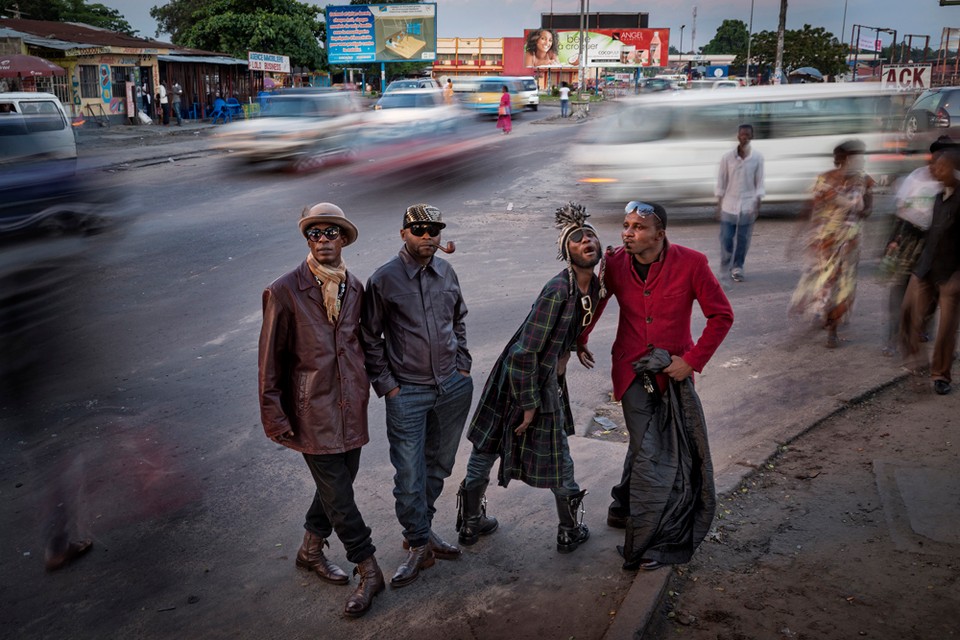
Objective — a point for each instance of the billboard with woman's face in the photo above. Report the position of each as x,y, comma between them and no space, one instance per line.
605,48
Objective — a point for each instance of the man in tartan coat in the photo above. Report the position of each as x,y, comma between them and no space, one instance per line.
524,416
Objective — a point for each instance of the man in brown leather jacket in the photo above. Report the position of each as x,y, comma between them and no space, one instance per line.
314,391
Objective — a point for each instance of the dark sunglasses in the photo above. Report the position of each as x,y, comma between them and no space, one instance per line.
587,303
577,236
420,230
331,233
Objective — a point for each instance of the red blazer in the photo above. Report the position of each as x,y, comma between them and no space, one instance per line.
658,313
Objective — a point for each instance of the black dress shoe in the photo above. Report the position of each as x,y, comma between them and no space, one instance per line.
417,558
942,387
442,550
650,565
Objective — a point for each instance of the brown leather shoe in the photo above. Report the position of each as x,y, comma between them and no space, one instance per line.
310,557
371,583
442,550
417,558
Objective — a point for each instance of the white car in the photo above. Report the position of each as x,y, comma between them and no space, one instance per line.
298,129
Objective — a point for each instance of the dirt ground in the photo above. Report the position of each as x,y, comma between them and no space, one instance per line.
821,542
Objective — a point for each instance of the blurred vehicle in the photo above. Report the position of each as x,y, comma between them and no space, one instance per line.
935,112
413,128
529,93
302,130
486,98
35,125
412,83
652,85
667,146
712,84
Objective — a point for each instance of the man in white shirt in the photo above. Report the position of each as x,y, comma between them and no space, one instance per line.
739,191
164,103
564,100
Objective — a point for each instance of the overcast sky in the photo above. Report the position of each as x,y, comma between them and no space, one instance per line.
496,18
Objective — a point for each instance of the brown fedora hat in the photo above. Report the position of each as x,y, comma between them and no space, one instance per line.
326,212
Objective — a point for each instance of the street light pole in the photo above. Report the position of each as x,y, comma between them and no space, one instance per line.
682,27
749,42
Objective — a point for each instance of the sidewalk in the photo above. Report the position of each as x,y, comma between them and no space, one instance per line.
126,145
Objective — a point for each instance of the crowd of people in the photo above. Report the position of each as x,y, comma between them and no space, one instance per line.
327,339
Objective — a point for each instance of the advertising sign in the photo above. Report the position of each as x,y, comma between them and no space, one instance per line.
906,77
268,62
381,33
604,48
867,43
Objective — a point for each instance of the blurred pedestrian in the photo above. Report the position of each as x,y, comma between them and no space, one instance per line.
914,213
314,391
936,278
564,100
524,418
145,92
665,498
176,102
842,199
503,112
448,92
416,345
164,103
739,192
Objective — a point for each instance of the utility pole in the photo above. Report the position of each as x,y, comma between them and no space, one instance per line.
749,41
778,73
582,49
693,35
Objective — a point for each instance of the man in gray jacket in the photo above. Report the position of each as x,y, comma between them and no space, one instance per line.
416,353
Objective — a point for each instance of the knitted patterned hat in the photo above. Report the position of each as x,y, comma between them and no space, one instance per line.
572,217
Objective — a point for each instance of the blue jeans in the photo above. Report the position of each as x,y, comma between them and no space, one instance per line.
564,108
480,465
424,425
735,235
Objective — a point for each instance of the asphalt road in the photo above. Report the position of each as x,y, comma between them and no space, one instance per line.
151,430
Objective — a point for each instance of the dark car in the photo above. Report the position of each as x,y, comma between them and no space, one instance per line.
934,113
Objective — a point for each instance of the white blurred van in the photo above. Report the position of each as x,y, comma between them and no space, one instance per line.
35,127
666,146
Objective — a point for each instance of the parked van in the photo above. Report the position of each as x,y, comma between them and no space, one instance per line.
667,146
35,126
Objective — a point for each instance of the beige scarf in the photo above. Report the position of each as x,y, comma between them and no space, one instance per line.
329,280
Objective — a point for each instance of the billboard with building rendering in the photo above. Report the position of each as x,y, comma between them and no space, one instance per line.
604,48
381,33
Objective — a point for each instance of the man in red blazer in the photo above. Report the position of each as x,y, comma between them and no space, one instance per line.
655,283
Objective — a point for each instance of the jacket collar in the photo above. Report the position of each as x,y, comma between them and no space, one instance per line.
411,267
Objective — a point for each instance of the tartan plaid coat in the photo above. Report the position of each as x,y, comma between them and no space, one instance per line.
525,377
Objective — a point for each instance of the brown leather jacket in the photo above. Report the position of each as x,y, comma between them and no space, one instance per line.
312,379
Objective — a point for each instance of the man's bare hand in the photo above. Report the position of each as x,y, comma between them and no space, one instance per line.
562,363
528,416
393,393
679,369
283,437
585,356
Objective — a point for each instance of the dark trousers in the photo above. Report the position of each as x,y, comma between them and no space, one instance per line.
922,294
334,507
638,406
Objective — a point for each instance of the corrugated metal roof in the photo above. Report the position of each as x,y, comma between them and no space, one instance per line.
49,43
212,59
81,34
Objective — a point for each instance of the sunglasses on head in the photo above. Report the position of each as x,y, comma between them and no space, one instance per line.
642,209
331,233
421,229
577,236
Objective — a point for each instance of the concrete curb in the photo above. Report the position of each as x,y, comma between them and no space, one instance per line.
646,592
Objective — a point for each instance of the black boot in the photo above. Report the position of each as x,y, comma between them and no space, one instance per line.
571,531
472,520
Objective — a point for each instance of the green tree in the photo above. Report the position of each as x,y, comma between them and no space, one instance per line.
96,14
284,27
806,47
731,37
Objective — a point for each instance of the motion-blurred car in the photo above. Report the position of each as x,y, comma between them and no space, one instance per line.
300,130
411,83
934,113
530,93
667,146
652,85
486,99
